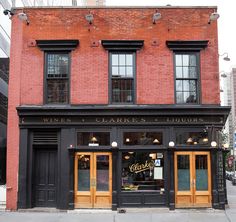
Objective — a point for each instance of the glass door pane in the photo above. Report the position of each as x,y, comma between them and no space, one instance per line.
183,172
102,167
201,167
84,173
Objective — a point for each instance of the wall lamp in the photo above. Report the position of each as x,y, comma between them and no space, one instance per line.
21,16
213,144
156,16
89,18
223,74
213,17
8,12
226,57
171,144
114,144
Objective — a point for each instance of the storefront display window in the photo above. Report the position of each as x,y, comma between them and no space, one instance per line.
191,138
142,138
142,171
93,138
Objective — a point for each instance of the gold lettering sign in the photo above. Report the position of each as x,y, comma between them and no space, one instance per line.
139,167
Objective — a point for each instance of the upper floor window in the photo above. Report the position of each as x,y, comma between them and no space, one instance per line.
122,69
57,78
57,69
186,77
122,77
187,69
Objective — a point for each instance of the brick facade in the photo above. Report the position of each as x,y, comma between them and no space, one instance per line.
89,61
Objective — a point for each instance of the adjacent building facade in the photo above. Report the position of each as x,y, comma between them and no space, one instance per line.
115,107
4,76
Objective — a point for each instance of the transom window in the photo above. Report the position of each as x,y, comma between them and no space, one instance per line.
122,77
186,73
57,78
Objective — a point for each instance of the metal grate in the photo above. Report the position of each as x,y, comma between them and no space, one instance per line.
45,138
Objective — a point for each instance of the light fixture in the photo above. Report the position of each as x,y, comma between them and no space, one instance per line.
223,74
226,146
155,141
8,12
94,139
89,18
156,16
130,152
114,144
127,157
189,140
23,17
127,140
213,17
213,144
195,142
171,144
205,140
226,57
153,155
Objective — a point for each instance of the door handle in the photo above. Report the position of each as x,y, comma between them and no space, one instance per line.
193,183
93,182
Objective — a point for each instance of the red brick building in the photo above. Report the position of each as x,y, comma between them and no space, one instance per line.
115,107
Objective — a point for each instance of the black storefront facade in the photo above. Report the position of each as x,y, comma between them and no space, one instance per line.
121,156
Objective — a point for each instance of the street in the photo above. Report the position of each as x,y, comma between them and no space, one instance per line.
137,215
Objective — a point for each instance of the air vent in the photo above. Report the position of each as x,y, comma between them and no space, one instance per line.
45,138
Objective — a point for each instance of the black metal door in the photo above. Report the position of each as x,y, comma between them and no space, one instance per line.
45,176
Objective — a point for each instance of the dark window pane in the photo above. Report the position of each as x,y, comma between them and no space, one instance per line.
142,138
83,173
93,139
57,91
192,138
201,172
142,171
183,167
122,90
102,173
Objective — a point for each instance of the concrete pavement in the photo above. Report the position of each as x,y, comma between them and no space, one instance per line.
136,215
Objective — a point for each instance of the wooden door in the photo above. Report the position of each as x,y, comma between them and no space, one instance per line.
93,180
45,176
192,179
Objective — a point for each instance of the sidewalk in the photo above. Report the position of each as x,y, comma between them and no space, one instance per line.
136,215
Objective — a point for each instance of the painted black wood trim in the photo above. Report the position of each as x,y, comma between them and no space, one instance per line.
122,44
55,45
22,185
194,45
67,138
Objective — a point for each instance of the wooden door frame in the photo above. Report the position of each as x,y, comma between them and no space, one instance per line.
93,175
193,192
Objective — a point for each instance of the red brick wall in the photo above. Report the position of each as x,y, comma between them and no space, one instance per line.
89,67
